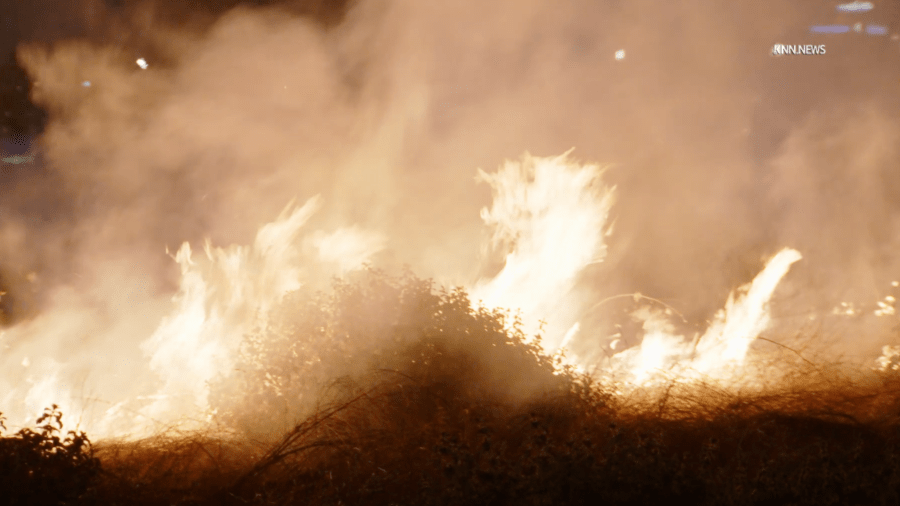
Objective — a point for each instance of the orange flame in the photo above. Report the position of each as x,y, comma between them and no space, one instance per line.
721,348
551,214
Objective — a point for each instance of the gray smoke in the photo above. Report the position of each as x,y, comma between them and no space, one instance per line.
723,154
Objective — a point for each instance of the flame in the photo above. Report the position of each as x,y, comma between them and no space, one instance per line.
222,294
45,388
721,348
347,248
229,291
742,320
660,349
551,214
219,297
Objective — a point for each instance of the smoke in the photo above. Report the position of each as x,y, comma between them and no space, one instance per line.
388,109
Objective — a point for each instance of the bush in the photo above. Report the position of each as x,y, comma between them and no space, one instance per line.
39,467
374,322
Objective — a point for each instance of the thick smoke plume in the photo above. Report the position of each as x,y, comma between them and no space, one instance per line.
721,154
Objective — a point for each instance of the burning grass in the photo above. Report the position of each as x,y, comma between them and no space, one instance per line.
446,404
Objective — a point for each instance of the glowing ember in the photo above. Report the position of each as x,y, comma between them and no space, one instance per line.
889,359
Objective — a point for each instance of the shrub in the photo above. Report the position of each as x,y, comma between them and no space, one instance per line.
39,467
370,322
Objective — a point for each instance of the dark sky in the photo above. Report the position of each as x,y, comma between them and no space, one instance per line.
48,20
105,21
114,21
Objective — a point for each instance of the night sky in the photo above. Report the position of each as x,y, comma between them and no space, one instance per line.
103,21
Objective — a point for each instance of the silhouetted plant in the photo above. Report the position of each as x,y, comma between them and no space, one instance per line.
40,466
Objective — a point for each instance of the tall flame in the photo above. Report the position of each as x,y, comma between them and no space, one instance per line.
741,321
551,214
725,343
219,297
222,294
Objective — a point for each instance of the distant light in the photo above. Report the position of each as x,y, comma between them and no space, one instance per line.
829,29
86,84
857,27
876,30
142,63
856,6
620,54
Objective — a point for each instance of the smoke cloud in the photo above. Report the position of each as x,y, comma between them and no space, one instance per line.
722,155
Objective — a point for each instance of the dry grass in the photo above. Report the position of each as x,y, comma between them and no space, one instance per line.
428,424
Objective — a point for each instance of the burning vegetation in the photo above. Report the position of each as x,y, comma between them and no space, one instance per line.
389,389
451,404
338,326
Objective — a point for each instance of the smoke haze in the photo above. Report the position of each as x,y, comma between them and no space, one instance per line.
721,154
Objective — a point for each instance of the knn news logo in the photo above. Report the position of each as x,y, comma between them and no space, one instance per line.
788,49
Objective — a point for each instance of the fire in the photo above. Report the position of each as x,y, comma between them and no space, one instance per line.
722,347
217,302
222,294
742,320
551,215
